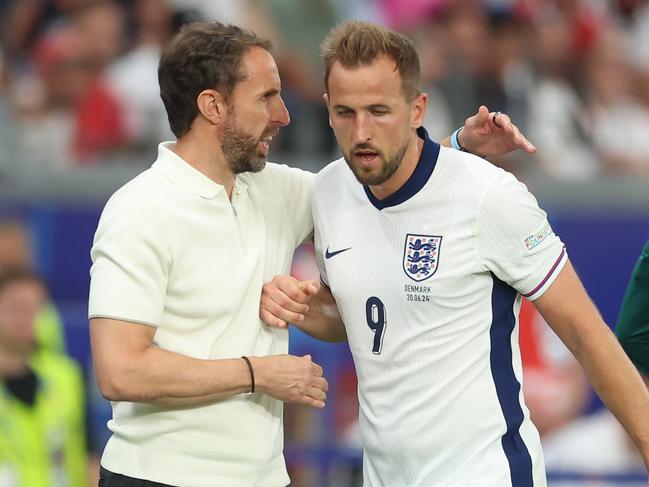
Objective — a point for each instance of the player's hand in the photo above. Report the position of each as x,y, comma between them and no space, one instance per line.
285,300
492,134
291,379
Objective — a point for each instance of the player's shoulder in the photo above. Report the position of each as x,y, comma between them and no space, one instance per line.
469,169
274,174
333,174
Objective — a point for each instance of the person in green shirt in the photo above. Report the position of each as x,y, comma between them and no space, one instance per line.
633,325
42,437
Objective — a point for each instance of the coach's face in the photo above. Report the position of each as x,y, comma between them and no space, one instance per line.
255,113
374,124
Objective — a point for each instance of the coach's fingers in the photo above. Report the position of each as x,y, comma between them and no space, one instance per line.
311,287
268,318
316,370
479,120
281,312
314,403
295,290
501,121
521,142
288,303
525,144
321,383
317,393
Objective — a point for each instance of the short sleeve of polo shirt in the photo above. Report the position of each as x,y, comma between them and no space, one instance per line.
296,185
515,240
130,263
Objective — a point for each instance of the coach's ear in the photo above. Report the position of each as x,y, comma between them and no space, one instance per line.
212,106
325,97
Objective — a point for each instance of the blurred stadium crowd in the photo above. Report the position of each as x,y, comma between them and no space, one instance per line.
78,77
78,89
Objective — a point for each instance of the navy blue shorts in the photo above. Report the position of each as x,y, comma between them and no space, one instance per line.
110,479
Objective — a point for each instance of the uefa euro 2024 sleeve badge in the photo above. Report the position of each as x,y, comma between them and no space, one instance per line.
421,256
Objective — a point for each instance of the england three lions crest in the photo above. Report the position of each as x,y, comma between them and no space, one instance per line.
421,256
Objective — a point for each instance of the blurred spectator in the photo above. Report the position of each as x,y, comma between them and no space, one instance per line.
593,445
67,114
42,422
557,118
16,253
434,67
620,121
134,77
27,20
230,11
297,29
79,75
7,125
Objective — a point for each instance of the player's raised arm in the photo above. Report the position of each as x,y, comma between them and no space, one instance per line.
130,367
571,314
489,134
309,305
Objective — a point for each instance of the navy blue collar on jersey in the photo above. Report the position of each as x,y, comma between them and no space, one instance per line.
417,179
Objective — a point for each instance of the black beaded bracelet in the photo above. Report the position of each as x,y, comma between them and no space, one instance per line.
252,374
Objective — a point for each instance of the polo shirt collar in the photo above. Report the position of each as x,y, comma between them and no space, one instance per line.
180,172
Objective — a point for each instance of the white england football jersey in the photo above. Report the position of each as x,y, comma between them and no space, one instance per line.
429,284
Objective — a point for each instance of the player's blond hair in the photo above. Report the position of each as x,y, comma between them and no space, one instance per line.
356,43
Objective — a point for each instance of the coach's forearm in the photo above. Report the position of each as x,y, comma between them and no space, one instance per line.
129,367
163,377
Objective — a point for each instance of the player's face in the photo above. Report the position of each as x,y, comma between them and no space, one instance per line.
371,118
255,113
20,303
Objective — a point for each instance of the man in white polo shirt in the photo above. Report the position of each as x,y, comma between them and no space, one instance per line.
179,259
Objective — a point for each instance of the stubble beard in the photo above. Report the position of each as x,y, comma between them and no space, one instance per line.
388,168
240,149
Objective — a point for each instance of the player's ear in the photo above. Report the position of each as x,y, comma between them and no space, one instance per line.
325,97
212,105
418,109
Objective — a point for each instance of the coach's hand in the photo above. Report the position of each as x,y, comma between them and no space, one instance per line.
291,379
492,134
285,300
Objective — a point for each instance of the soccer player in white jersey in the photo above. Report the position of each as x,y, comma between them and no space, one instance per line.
427,252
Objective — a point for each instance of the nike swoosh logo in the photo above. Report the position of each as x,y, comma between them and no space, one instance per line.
329,255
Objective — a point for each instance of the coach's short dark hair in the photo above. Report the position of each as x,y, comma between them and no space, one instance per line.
356,43
201,56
